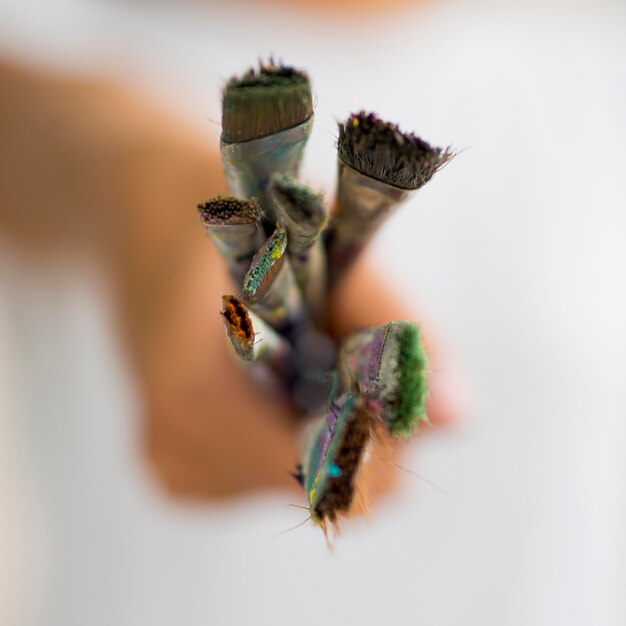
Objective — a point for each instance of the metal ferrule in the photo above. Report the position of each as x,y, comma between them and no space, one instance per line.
266,346
237,244
360,358
368,363
248,165
363,205
308,260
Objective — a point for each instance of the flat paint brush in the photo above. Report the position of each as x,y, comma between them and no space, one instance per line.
388,364
304,215
379,167
235,227
267,117
335,454
270,288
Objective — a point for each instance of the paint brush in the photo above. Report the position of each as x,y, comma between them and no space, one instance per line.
388,364
335,453
379,168
283,251
266,353
235,227
304,215
267,117
270,288
254,340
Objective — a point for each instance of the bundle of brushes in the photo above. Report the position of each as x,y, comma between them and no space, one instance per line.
284,250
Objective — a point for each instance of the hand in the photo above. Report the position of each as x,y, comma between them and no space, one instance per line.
118,180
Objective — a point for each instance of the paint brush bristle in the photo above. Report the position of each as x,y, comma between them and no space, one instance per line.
409,405
265,265
265,101
379,149
299,202
229,211
238,326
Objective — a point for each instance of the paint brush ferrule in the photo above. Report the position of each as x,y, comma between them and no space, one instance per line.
249,165
304,215
360,360
300,210
363,205
234,226
237,246
362,197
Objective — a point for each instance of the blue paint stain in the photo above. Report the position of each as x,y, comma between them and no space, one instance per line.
334,470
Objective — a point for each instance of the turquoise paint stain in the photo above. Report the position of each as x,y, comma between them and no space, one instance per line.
334,470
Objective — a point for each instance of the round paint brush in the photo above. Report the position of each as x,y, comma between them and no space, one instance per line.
388,364
304,215
235,227
379,167
267,117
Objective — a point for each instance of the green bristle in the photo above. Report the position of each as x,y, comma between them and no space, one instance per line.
409,406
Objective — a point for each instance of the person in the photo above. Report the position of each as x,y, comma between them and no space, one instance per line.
100,174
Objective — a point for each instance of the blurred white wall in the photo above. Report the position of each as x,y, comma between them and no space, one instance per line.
520,261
